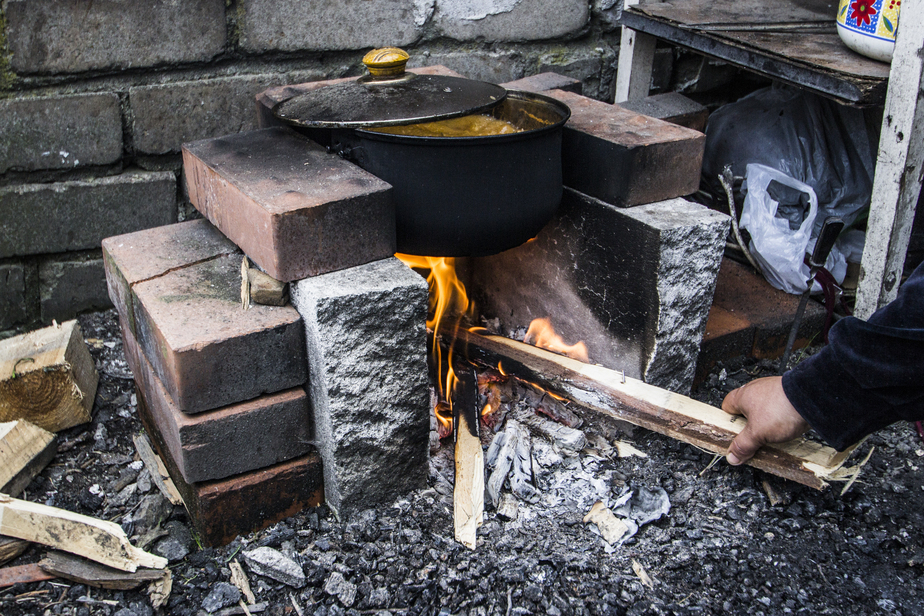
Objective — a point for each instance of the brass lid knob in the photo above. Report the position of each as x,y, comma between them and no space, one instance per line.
386,62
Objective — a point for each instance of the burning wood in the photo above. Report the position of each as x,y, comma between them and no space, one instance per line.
610,395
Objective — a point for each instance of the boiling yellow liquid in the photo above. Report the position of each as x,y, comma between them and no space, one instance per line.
467,126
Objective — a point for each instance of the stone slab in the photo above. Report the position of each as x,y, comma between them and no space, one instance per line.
367,353
751,318
317,25
510,20
625,158
544,82
293,208
77,215
671,107
165,116
635,285
49,36
70,286
221,510
135,257
12,295
227,441
60,132
205,348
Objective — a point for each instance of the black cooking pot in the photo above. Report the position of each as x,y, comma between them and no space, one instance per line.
454,196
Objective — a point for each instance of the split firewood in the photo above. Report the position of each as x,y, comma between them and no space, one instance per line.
500,457
468,493
23,574
83,571
156,468
99,540
47,377
521,472
609,394
10,548
25,449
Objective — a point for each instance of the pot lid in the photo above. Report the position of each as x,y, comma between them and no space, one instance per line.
389,96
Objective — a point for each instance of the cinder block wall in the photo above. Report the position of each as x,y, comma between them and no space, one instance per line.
96,99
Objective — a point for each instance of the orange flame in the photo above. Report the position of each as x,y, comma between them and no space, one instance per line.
542,334
448,300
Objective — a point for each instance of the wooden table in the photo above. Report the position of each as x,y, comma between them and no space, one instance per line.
794,41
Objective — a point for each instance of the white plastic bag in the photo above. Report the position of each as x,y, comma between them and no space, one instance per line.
777,247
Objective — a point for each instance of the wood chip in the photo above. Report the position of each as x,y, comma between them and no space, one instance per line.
156,468
642,574
25,449
611,528
239,579
83,571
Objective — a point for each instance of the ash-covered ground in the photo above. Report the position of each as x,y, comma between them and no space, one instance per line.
734,541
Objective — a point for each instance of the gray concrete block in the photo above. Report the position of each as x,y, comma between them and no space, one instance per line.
70,286
510,20
12,295
66,216
367,372
50,36
167,116
635,285
60,132
303,25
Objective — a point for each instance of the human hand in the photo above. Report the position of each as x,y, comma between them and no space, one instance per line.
771,417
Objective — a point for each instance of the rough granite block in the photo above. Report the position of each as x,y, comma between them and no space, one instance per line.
625,158
367,353
291,206
77,215
227,441
635,285
70,286
204,347
221,510
510,20
305,25
142,255
60,132
50,36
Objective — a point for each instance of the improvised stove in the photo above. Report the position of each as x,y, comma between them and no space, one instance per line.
244,405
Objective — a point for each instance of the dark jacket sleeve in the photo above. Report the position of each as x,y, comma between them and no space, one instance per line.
870,375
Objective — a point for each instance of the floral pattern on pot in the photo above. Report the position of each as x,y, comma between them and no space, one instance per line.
869,26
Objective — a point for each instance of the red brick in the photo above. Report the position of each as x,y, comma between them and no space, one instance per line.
135,257
207,351
292,207
223,509
625,158
227,441
749,317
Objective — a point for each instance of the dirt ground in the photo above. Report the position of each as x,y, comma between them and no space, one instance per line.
723,547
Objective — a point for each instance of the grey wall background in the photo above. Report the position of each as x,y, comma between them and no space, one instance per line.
97,97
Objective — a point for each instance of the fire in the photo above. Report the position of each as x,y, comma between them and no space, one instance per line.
448,300
542,334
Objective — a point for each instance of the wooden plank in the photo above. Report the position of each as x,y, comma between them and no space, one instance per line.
25,449
99,540
820,62
23,574
610,394
636,58
47,377
899,168
83,571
